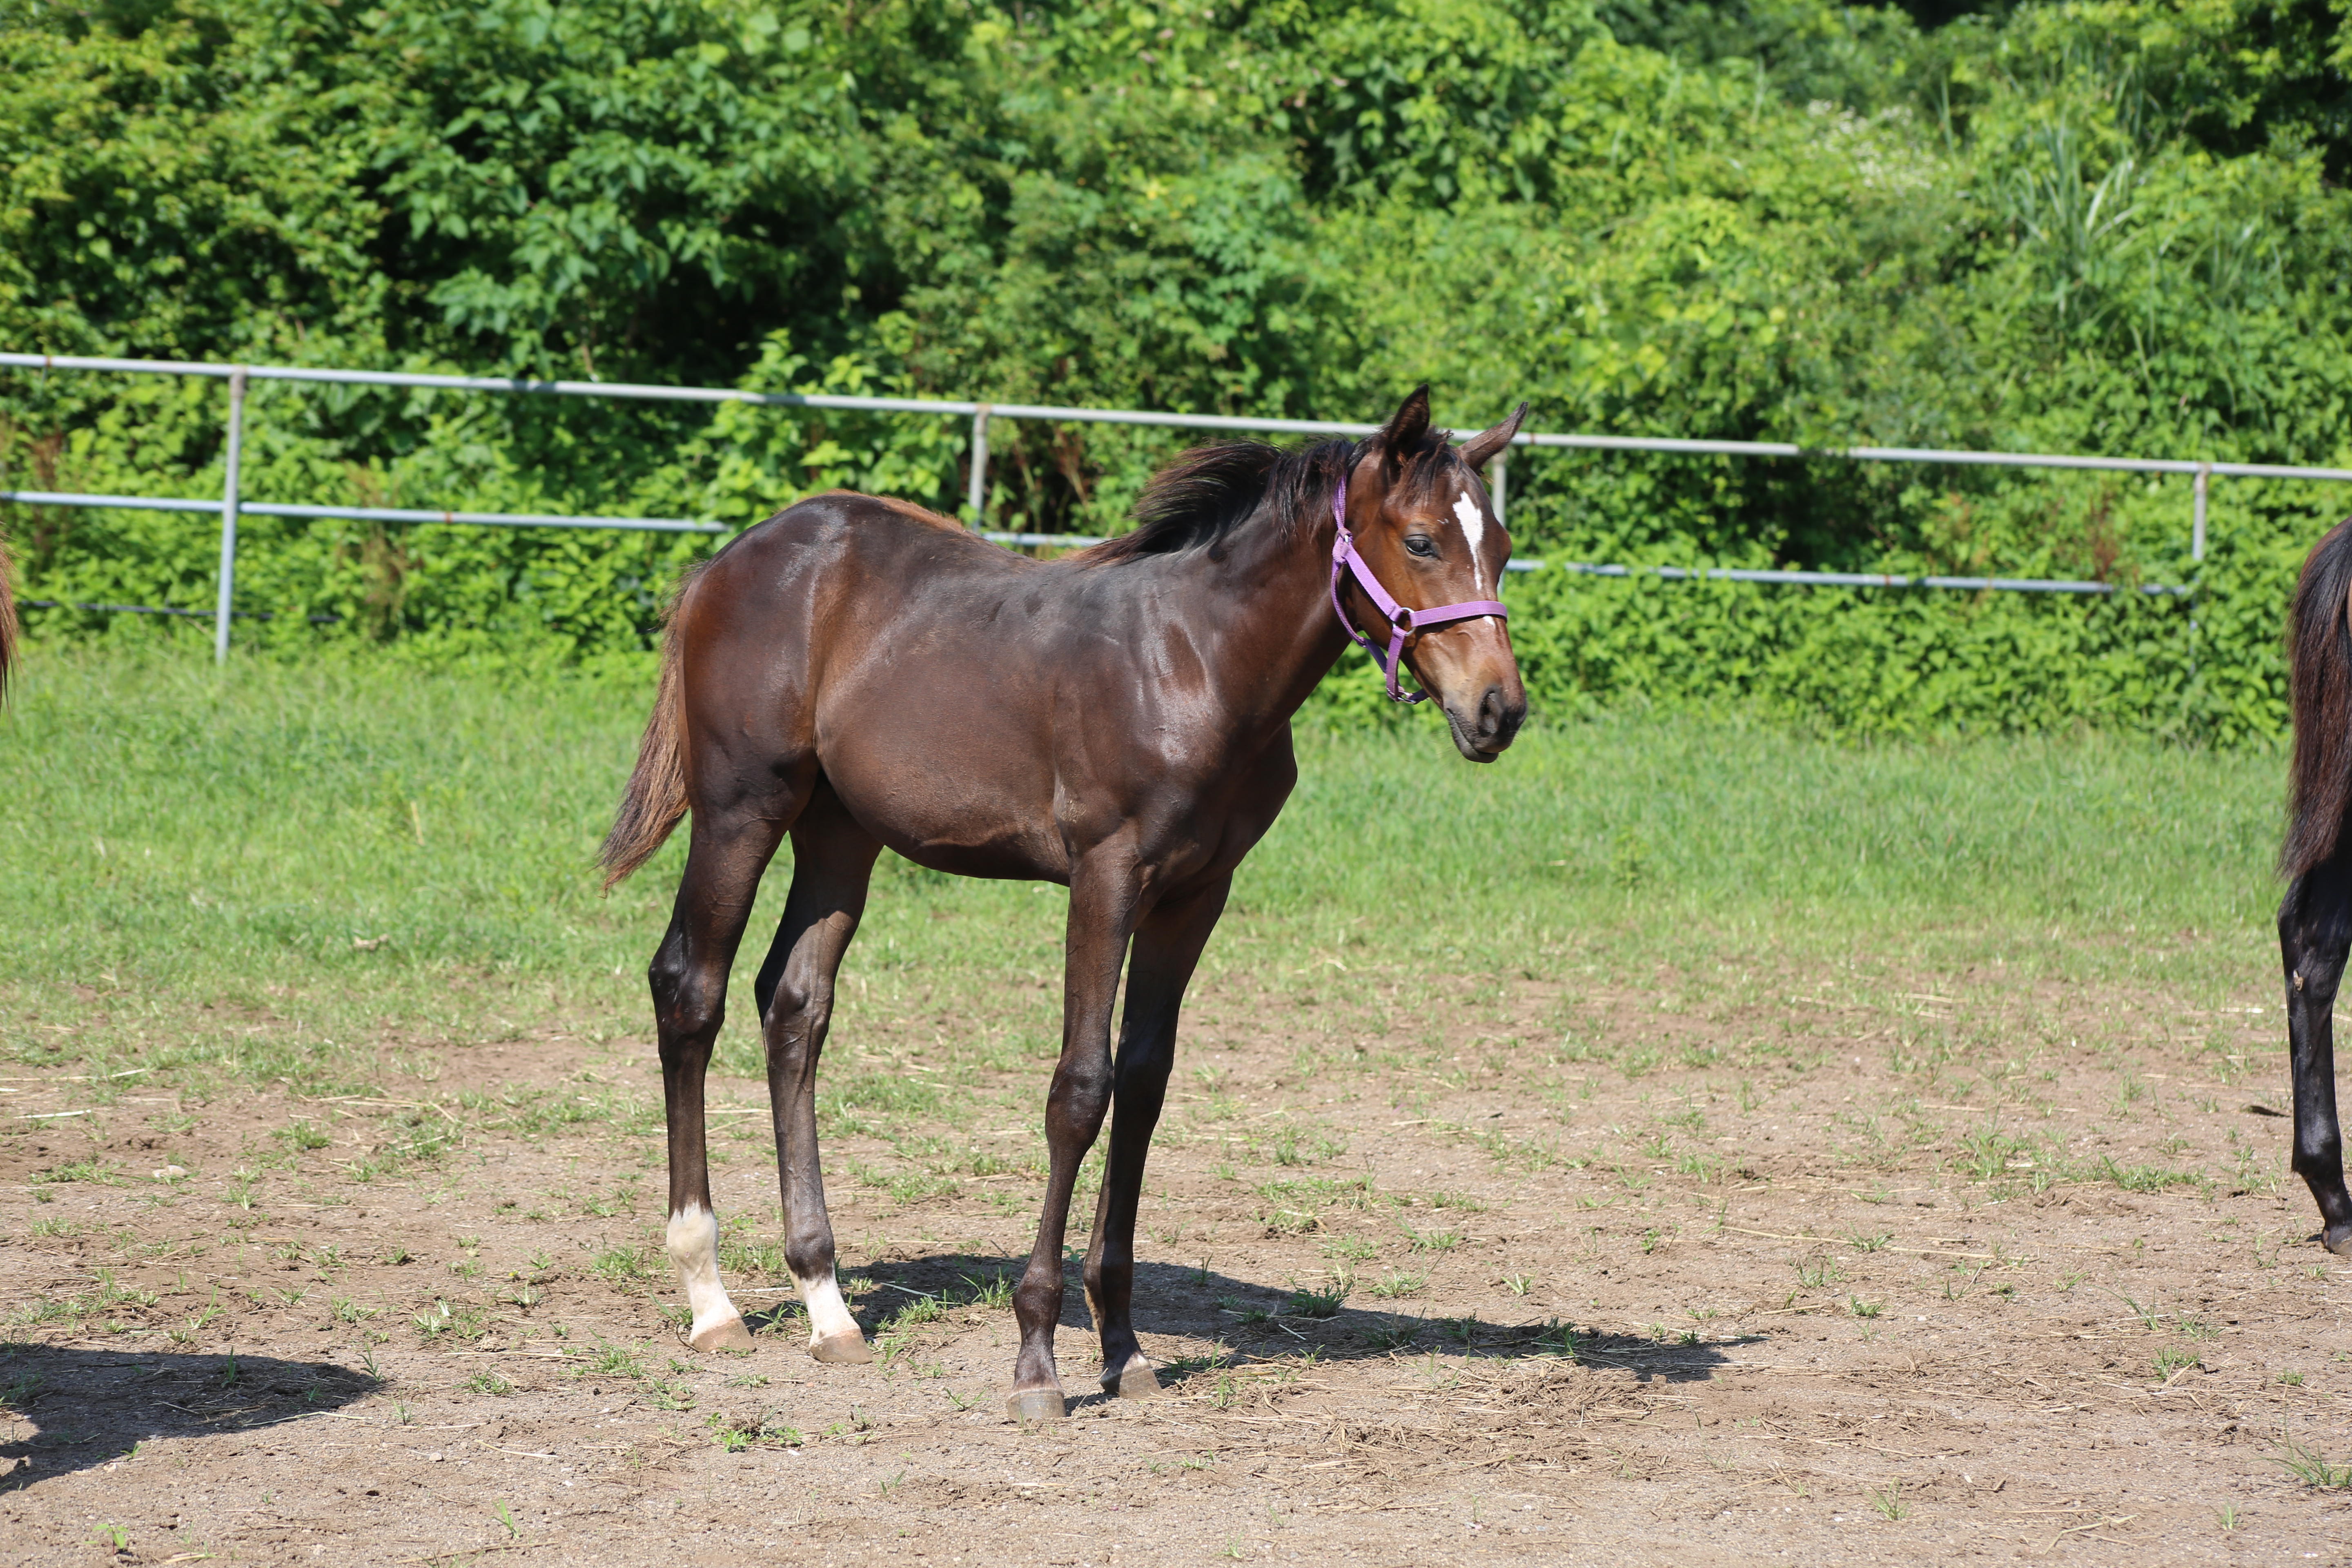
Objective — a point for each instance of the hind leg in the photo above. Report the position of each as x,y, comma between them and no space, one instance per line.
2315,936
730,850
832,861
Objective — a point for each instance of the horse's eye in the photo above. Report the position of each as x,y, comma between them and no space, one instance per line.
1419,544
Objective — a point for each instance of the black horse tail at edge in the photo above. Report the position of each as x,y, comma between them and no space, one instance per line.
7,618
2319,650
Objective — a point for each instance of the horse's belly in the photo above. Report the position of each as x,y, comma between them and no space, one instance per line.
953,812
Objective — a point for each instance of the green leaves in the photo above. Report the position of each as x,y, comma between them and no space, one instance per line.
580,182
2115,229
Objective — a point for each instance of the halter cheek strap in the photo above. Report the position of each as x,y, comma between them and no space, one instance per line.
1402,620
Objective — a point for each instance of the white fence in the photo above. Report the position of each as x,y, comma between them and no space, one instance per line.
232,504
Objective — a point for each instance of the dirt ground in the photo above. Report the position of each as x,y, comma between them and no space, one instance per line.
1848,1268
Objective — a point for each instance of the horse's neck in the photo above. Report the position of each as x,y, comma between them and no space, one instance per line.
1275,631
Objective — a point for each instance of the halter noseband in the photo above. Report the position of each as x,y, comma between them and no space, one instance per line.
1404,620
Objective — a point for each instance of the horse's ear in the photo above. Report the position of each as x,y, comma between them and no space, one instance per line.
1403,434
1486,442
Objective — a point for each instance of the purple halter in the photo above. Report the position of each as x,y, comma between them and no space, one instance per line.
1404,620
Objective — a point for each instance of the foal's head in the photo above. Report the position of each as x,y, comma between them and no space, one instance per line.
1423,523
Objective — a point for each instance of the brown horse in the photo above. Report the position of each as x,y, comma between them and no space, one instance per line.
2314,921
857,672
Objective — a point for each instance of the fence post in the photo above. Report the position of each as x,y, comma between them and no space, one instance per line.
1497,477
228,515
2196,532
978,492
2197,553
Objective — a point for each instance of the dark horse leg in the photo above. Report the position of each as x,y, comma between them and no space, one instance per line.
730,848
1167,944
2315,935
832,860
1103,909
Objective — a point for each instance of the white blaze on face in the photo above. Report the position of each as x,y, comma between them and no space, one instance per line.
692,1241
828,1314
1473,530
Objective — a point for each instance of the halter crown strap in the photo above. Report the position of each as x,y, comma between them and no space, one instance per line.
1402,619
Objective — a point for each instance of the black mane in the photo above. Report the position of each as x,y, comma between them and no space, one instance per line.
1209,492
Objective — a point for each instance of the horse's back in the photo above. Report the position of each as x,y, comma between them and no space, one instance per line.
851,537
826,566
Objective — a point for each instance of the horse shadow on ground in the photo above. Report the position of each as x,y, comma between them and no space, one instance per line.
1246,1321
89,1406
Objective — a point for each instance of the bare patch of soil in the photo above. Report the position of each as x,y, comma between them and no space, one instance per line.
1847,1268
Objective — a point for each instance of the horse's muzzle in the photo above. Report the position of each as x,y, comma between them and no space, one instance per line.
1483,733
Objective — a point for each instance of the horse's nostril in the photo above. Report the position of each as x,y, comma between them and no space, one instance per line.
1498,718
1492,713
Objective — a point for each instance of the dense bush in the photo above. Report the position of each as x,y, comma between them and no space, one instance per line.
2111,227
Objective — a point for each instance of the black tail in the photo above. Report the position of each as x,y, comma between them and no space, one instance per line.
7,618
2319,646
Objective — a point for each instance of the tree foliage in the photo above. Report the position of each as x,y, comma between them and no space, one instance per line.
2112,226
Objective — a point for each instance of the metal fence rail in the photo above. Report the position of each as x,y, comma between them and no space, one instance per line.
162,610
366,513
231,504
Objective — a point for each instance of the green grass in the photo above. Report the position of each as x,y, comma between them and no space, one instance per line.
337,846
1308,1302
2311,1467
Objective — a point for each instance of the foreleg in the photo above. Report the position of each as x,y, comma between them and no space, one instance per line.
1103,905
1168,945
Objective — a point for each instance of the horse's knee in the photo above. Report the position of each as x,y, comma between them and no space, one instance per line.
690,998
1142,1074
1082,1093
793,1019
1111,1271
2315,966
2314,928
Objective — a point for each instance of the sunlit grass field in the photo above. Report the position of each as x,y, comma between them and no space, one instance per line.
356,850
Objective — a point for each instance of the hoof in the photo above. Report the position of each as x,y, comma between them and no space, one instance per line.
842,1350
1035,1407
2338,1242
727,1334
1137,1380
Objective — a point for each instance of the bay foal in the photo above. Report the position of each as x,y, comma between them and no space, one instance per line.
858,673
